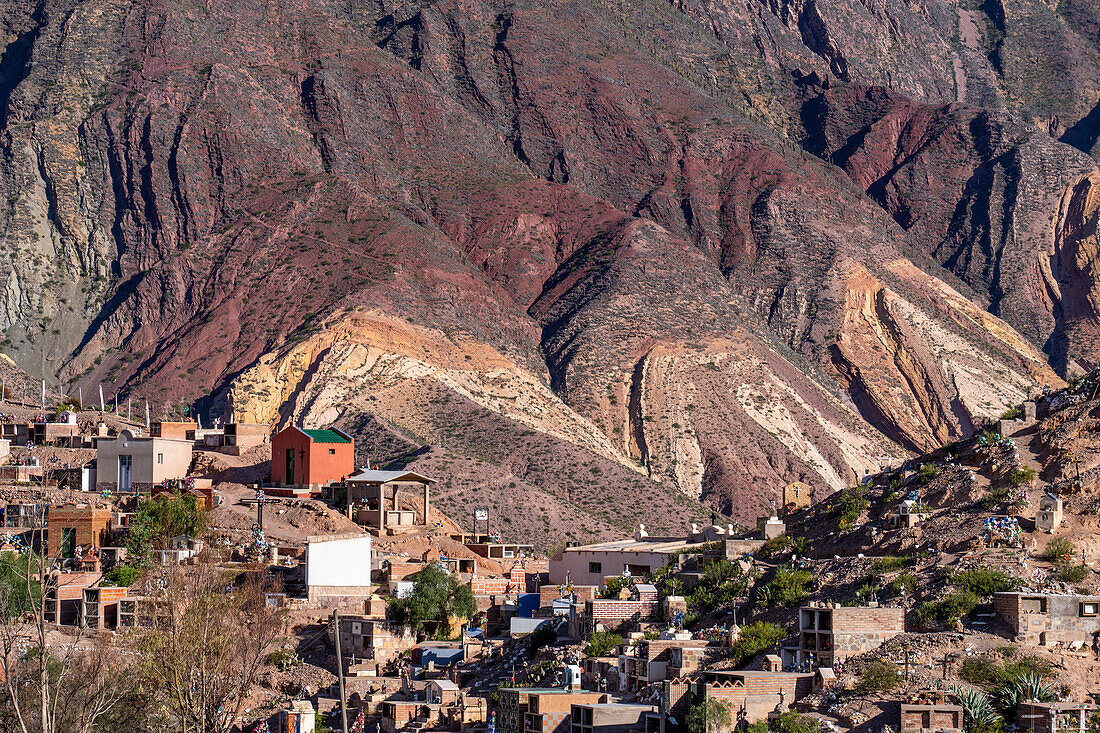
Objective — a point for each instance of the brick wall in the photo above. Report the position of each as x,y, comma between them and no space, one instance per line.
757,695
550,593
868,620
91,527
609,609
492,586
1007,606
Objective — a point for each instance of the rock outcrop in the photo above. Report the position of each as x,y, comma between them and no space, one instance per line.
717,246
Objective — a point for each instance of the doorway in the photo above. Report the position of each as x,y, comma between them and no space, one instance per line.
68,543
290,466
125,471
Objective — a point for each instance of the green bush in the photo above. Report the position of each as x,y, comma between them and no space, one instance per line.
1023,475
878,675
708,716
755,638
720,584
158,520
889,564
774,546
792,722
612,588
283,658
904,583
788,587
927,474
986,671
1072,573
948,610
436,597
850,504
985,582
1058,547
121,575
20,590
601,643
1012,413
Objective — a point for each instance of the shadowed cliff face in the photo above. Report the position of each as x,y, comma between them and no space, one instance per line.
586,219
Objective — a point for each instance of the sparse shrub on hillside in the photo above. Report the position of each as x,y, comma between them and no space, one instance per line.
1021,476
904,583
283,658
601,643
788,722
986,671
850,504
1058,547
1012,413
927,474
788,587
878,675
947,610
889,564
774,546
1072,573
985,582
755,638
864,594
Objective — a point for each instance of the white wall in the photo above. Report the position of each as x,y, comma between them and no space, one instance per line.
343,562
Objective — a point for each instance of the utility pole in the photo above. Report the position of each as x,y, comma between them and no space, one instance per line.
340,673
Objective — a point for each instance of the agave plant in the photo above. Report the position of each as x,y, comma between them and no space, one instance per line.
1027,686
977,708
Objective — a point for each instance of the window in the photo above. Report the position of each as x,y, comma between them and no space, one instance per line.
332,451
160,458
1090,608
595,567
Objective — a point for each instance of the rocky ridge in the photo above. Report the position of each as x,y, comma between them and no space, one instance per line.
719,246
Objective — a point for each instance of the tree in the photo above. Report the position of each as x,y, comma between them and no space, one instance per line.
436,597
212,633
159,519
50,685
708,716
601,643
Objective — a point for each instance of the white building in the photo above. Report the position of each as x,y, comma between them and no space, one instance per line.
338,566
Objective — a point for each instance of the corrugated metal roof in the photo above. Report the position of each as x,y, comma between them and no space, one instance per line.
326,436
372,476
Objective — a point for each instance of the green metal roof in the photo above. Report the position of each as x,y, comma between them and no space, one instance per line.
326,436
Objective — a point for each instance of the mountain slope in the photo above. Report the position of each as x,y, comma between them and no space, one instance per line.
590,218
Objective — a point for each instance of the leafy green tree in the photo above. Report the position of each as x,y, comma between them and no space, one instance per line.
708,716
159,519
792,722
755,638
20,592
541,637
601,643
121,575
436,597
